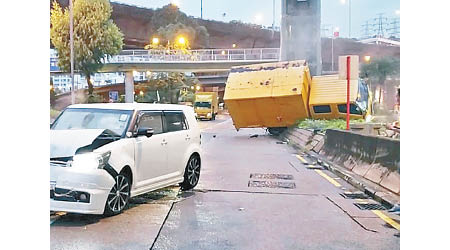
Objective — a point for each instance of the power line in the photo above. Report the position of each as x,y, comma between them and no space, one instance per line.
394,27
366,30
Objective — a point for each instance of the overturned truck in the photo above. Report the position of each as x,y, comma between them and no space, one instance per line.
277,95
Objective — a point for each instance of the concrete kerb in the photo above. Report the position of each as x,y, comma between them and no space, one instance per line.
378,194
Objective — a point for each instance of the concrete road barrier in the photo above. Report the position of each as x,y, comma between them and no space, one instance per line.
374,158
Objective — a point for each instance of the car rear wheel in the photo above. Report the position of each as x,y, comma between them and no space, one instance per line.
191,173
119,196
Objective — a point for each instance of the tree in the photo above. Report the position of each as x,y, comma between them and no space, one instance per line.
95,36
52,93
169,23
379,68
170,86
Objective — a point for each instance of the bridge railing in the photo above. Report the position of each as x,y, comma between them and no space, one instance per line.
135,56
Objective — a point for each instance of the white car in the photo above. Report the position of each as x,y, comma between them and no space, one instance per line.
103,154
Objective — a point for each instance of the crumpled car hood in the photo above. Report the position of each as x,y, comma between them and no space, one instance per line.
64,143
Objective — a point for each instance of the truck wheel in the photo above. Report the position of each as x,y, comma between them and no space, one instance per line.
276,131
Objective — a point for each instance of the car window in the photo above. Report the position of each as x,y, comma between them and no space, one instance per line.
88,118
151,120
320,109
175,121
354,109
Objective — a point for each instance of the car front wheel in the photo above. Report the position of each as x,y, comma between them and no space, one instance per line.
119,196
191,173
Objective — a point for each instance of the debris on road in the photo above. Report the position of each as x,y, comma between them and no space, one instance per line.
253,136
395,209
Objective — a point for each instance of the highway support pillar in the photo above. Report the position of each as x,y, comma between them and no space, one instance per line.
129,87
300,33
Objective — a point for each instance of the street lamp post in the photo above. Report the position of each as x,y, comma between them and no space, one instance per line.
349,16
332,53
335,34
71,51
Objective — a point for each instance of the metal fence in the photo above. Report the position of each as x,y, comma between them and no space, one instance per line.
136,56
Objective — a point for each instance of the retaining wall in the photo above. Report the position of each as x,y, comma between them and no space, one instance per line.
374,158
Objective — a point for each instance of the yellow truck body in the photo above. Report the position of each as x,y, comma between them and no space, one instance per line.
268,95
206,105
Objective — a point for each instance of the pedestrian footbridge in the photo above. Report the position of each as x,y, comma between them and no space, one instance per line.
203,60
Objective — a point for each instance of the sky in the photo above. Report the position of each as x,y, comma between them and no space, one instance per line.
335,13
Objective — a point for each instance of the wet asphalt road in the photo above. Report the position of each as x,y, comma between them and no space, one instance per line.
230,210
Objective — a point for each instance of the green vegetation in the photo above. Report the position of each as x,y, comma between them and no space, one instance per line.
54,113
171,87
379,68
95,36
171,24
326,124
52,94
174,31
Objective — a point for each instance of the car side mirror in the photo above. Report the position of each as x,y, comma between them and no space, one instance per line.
144,131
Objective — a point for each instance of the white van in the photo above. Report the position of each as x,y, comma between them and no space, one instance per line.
103,154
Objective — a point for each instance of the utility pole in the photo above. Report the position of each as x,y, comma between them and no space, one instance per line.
349,18
273,16
273,19
71,51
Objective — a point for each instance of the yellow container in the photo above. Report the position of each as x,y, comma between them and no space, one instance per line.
328,98
268,94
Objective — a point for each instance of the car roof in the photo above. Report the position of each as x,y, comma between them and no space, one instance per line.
131,106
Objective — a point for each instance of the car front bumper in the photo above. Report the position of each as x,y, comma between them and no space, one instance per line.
69,184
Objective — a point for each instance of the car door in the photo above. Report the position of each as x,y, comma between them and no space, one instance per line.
178,139
151,152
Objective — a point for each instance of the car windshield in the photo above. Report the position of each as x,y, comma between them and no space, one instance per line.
87,118
202,104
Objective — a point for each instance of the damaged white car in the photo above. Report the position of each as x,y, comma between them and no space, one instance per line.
103,154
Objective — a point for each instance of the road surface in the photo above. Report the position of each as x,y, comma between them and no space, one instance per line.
254,193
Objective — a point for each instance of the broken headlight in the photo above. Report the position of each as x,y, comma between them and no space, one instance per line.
91,160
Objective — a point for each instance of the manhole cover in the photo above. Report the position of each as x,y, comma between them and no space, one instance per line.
369,206
356,195
272,176
272,184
